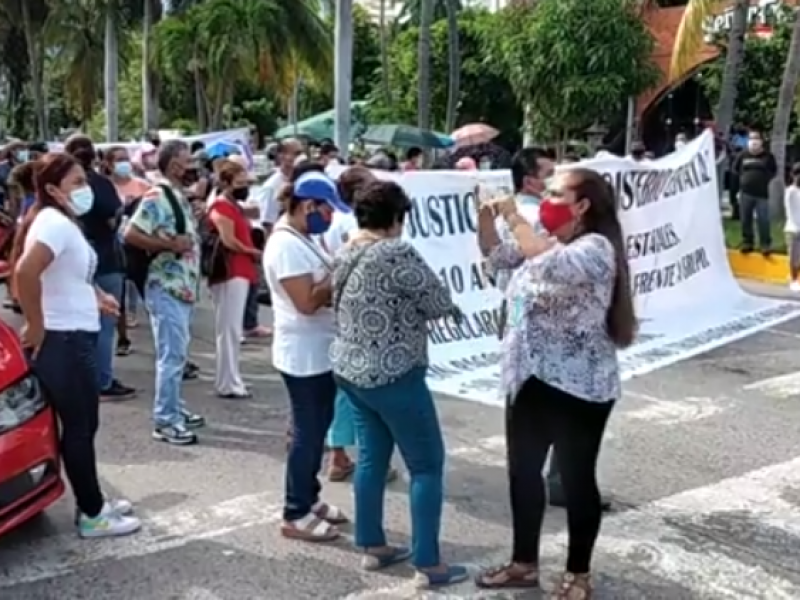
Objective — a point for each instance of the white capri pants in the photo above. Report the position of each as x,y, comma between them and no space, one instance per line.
229,299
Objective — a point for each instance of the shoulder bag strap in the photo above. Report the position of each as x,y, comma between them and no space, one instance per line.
326,260
177,209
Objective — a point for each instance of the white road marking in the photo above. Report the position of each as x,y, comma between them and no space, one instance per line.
782,386
55,556
676,540
196,593
676,412
782,333
248,377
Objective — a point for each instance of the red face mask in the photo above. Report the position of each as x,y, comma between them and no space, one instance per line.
553,216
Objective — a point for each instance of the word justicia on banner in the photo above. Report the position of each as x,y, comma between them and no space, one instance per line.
687,299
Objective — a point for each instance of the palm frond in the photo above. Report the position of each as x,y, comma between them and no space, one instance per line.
690,37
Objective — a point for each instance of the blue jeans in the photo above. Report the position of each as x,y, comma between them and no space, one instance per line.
750,206
110,283
401,412
250,320
66,366
343,428
170,319
311,400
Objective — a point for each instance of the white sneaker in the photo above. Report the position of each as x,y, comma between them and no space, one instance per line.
109,523
795,286
122,506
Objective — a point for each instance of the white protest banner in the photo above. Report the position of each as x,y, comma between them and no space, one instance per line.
686,297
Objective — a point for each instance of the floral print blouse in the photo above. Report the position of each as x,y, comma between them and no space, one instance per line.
178,275
558,304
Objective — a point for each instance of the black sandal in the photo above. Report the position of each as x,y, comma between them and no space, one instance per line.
508,576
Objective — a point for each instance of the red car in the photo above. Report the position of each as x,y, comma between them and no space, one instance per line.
30,478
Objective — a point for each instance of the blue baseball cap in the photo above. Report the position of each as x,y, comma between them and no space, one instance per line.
319,187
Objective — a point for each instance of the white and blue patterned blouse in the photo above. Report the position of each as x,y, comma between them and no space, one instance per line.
558,304
384,296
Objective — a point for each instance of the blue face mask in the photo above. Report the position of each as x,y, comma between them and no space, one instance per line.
123,169
22,155
316,223
81,200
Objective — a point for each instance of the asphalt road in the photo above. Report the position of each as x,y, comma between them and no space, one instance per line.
702,461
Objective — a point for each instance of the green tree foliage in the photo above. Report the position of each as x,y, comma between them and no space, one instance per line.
485,94
757,99
572,62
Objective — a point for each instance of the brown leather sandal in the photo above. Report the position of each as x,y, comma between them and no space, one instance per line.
339,473
508,576
574,586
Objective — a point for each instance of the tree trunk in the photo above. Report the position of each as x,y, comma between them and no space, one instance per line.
783,114
385,75
200,103
424,65
149,78
733,67
453,66
527,124
36,59
111,95
343,75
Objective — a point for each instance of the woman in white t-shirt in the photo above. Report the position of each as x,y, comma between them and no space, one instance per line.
298,272
53,281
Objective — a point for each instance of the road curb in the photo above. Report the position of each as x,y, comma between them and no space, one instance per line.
754,266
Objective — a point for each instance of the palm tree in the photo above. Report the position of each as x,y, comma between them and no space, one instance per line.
453,65
224,42
76,33
111,71
384,41
783,114
690,40
424,65
31,15
152,11
91,40
14,76
411,11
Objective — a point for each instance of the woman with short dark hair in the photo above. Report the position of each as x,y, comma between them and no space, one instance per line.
384,294
570,311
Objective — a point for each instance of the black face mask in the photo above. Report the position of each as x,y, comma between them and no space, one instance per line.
190,177
240,194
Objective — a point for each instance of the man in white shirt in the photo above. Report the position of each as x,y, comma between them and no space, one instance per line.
344,224
287,152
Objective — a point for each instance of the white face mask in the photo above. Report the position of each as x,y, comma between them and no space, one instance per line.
81,200
754,145
680,144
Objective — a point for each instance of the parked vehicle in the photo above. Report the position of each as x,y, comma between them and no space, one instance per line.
30,479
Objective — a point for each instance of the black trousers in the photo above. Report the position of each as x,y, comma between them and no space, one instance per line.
538,417
66,366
